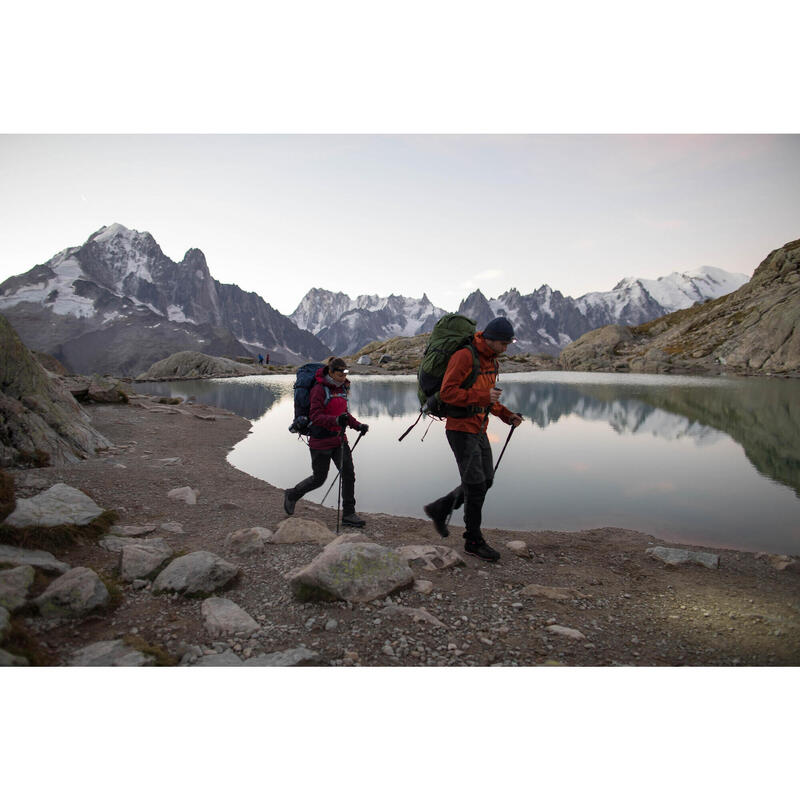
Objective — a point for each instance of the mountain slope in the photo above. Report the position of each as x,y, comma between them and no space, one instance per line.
755,329
117,304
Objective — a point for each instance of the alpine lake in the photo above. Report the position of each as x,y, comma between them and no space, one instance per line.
695,460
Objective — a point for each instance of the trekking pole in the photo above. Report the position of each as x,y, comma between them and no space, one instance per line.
508,439
322,502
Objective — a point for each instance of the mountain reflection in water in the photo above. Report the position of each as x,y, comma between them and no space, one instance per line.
660,454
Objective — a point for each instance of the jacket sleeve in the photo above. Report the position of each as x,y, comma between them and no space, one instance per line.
317,409
499,410
458,369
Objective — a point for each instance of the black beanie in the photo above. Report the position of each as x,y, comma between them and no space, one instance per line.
500,330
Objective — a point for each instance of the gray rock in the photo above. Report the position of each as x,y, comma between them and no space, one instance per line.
222,617
416,614
296,529
131,530
10,660
200,572
226,659
14,585
430,557
185,493
423,587
114,544
344,538
298,657
5,622
354,571
73,594
142,559
675,557
58,505
40,559
248,541
549,592
519,548
569,633
172,527
111,653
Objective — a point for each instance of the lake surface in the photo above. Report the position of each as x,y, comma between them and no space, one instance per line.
705,461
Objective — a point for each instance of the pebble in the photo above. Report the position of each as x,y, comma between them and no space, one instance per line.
331,625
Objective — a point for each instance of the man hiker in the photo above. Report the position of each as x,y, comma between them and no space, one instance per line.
467,435
328,441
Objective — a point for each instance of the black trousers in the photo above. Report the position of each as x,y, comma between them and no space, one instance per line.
320,464
474,459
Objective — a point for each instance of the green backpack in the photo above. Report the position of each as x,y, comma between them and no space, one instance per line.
450,333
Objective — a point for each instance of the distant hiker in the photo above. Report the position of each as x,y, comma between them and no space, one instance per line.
260,359
467,435
327,440
267,358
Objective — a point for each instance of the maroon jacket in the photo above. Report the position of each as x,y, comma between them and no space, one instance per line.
323,414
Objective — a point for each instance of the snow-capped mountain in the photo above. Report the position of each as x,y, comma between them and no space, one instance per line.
346,325
117,304
545,321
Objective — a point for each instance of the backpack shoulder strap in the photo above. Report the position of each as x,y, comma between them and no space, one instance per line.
476,367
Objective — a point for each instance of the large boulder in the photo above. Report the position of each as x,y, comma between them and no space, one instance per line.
40,422
354,571
222,617
190,364
197,573
58,505
74,594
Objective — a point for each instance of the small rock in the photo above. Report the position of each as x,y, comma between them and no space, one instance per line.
223,617
423,587
569,633
519,548
75,593
331,625
674,557
185,493
172,527
14,585
296,529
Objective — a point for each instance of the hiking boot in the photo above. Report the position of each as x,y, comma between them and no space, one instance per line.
439,520
479,549
353,520
288,503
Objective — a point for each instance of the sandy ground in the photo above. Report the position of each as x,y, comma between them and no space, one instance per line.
629,608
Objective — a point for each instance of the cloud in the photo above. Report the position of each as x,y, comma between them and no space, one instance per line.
487,275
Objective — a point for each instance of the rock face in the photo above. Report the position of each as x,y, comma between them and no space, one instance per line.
58,505
753,330
196,573
352,571
74,594
117,304
40,422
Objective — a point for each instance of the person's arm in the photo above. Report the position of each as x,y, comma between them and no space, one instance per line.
319,416
458,369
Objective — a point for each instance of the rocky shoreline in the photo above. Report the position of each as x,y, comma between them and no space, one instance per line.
592,597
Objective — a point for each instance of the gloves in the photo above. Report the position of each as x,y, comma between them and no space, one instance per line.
341,420
363,427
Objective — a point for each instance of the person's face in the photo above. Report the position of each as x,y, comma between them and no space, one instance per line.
497,347
338,374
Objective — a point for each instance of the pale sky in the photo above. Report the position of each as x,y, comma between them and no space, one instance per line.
381,214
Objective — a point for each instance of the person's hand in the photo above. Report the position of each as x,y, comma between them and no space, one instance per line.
363,427
341,420
515,419
494,395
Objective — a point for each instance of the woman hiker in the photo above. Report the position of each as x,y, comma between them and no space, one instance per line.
328,441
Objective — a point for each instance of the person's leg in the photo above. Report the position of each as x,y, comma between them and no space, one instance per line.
320,464
349,516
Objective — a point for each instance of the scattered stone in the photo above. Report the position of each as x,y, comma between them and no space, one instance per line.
422,586
430,557
14,585
247,541
296,529
297,657
40,559
110,653
331,625
114,544
58,505
550,592
416,614
674,557
10,660
222,617
779,562
519,548
226,659
170,462
354,571
172,527
344,538
200,572
143,559
75,593
131,530
185,493
569,633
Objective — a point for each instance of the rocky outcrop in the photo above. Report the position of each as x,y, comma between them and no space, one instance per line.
754,330
40,421
190,364
58,505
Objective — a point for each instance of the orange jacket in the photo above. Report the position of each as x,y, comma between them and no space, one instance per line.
458,369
